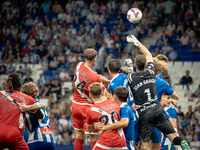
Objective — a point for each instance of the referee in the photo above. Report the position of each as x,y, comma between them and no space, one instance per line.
151,113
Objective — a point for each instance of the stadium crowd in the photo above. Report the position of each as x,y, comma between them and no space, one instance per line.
55,36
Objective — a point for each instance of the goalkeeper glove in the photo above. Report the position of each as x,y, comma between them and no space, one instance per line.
134,40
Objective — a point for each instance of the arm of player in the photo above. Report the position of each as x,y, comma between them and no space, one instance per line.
108,95
175,96
118,125
145,51
25,108
105,81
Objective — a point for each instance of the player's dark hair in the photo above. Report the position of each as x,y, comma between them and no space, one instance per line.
95,90
140,62
114,65
90,54
122,93
14,82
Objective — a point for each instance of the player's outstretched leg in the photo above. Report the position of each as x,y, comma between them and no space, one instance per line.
178,141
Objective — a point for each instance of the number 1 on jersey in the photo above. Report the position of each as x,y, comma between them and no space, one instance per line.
148,94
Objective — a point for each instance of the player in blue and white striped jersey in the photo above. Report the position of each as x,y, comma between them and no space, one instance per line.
39,132
172,115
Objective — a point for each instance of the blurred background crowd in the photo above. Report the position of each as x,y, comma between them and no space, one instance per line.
54,34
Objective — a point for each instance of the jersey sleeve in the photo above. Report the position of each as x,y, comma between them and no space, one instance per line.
88,117
151,67
173,113
167,114
167,89
124,113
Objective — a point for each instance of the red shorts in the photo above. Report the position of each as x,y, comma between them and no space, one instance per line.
11,137
79,118
100,147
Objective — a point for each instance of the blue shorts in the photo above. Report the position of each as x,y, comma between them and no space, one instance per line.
168,147
136,134
157,135
41,146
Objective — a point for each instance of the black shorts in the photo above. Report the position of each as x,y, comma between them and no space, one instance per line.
154,118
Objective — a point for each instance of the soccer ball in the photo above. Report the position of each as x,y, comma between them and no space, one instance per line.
134,15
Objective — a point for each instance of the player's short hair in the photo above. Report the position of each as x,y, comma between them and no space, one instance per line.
114,65
140,62
160,65
30,89
90,54
122,93
162,57
95,90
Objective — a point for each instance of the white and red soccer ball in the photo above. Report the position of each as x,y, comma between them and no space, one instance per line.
134,15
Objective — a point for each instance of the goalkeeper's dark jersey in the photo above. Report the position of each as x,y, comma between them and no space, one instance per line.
143,87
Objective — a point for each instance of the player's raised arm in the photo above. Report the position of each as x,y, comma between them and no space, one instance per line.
145,51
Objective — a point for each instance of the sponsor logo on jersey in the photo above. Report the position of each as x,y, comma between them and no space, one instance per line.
46,131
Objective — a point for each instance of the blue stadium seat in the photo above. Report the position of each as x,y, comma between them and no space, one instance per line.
47,73
188,47
56,72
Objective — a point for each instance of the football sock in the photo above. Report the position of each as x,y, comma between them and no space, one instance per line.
78,145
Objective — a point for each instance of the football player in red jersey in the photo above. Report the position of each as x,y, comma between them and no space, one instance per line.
108,112
83,78
11,118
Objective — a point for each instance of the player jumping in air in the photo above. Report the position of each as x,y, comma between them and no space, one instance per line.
11,118
84,76
39,131
143,87
128,118
108,112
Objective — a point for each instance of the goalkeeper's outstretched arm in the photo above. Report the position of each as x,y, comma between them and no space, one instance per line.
145,51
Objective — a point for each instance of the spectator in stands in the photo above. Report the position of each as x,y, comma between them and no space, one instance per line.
169,8
184,40
26,68
186,80
66,110
20,71
85,11
196,45
57,137
56,7
32,6
56,88
109,41
171,27
29,21
23,36
26,58
94,6
100,63
31,41
57,77
54,63
132,31
102,8
72,70
25,50
41,80
41,90
92,17
195,145
64,76
179,113
63,121
125,7
188,115
197,113
188,92
73,42
56,111
173,55
42,52
111,6
62,16
34,58
10,68
66,139
45,6
90,42
10,56
166,48
28,78
2,68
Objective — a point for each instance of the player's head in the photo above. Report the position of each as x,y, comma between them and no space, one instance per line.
114,66
161,65
165,100
162,57
140,62
121,94
14,82
95,90
90,55
30,89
